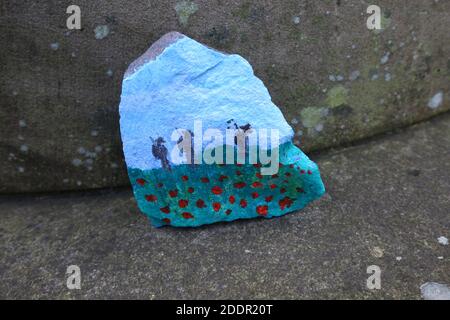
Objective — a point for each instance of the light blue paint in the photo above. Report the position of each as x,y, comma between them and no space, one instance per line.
188,82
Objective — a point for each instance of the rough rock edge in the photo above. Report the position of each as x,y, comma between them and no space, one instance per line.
155,50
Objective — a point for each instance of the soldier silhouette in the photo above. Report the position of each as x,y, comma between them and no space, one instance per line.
240,130
159,151
189,153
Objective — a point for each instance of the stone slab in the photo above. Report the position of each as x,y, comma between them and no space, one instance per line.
388,203
335,81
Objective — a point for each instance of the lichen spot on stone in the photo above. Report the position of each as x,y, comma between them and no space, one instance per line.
101,31
311,116
184,10
54,46
384,59
436,101
337,96
354,75
77,162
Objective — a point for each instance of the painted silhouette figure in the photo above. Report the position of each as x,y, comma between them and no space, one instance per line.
190,153
160,151
239,129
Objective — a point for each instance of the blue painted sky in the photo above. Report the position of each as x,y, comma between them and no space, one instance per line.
186,82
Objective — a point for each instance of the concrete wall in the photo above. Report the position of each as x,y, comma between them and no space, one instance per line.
335,80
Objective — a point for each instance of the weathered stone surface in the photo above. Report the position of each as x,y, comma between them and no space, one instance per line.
334,80
171,97
387,205
435,291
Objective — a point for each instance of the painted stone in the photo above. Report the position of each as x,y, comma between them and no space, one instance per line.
203,141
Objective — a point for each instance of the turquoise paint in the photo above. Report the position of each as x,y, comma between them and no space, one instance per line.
302,186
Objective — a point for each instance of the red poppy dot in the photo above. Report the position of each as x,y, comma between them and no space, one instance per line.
285,202
269,198
166,220
287,174
173,193
228,211
243,203
255,195
262,210
291,166
302,171
187,215
216,206
166,209
280,165
232,199
151,198
200,203
259,175
282,190
274,176
222,178
239,185
273,186
216,190
238,173
183,203
140,181
309,172
185,178
256,184
204,180
191,190
257,165
285,181
239,164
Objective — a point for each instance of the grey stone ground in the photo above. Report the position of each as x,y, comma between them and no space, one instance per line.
388,197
